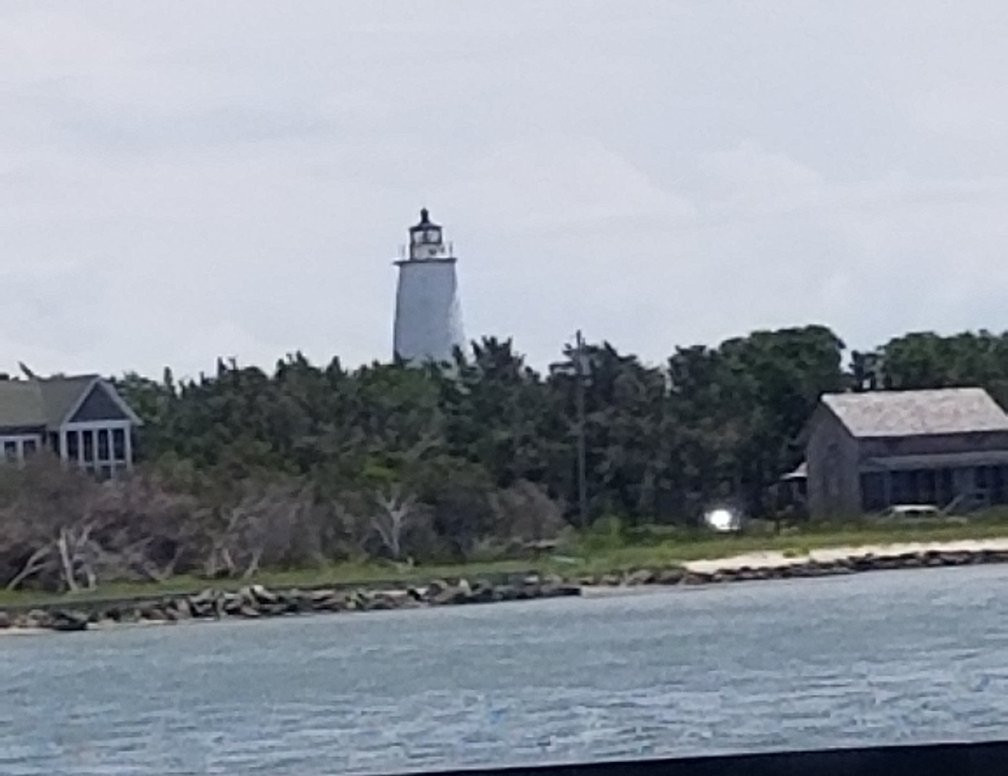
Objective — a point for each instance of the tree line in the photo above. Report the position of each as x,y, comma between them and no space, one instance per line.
244,467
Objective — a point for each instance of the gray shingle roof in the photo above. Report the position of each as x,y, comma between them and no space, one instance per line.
915,413
36,403
21,404
60,394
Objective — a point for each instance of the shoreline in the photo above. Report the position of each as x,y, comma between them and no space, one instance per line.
255,601
778,559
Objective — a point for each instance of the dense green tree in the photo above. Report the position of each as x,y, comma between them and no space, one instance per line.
662,443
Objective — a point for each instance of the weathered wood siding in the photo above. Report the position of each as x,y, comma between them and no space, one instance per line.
834,488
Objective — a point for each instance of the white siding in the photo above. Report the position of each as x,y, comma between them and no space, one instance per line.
428,318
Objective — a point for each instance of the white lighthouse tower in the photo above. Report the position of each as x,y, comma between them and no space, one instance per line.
428,316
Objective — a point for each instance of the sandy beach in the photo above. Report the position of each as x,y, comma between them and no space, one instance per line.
778,559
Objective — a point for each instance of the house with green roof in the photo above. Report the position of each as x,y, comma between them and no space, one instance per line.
81,418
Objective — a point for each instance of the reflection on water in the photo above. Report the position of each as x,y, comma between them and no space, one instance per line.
875,658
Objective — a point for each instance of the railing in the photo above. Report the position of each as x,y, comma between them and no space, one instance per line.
959,759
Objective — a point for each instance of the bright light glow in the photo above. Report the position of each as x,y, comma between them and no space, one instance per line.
721,519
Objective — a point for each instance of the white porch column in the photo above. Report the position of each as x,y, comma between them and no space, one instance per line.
128,449
63,454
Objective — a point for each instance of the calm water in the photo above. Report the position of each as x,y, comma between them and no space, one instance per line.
886,657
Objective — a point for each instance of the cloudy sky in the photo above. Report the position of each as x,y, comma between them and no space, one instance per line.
181,180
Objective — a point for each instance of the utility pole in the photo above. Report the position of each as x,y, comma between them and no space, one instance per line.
579,373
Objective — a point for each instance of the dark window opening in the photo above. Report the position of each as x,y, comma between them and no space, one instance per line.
998,481
88,447
73,445
119,444
926,484
946,491
872,491
103,444
902,487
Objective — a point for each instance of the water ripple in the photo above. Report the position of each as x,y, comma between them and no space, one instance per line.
880,658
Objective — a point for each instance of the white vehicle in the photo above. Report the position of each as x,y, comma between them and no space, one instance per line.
912,510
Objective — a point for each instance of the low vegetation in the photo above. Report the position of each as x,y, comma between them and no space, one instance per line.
138,541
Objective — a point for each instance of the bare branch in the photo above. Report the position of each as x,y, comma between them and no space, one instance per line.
34,564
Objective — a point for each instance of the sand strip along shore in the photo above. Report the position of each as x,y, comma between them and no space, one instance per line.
777,559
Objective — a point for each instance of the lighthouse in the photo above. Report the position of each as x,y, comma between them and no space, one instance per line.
428,315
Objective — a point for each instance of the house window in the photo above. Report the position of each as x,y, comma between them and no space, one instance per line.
103,444
926,486
89,455
10,450
73,445
998,484
119,444
946,492
28,447
872,491
898,487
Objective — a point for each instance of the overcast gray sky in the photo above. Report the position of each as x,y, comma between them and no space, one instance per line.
180,180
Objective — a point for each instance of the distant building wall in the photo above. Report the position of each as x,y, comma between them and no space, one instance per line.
832,458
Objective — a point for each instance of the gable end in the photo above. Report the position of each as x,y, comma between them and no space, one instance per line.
98,405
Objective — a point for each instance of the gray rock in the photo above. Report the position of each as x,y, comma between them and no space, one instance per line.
451,595
334,602
381,602
293,601
505,593
180,606
203,609
482,592
39,618
436,588
151,612
261,595
66,620
561,590
670,576
320,595
397,599
204,597
5,620
640,577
